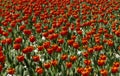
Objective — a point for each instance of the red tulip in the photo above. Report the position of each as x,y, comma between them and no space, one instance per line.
114,69
2,58
18,40
27,31
47,65
32,38
76,45
20,58
64,56
73,58
104,72
39,70
101,62
54,62
36,58
68,64
11,71
16,46
40,48
1,67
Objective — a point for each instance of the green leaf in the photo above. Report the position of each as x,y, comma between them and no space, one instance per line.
21,70
25,73
17,71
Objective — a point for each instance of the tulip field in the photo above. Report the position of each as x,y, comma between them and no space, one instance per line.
59,37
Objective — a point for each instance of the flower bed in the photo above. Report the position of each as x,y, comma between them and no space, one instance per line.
60,37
